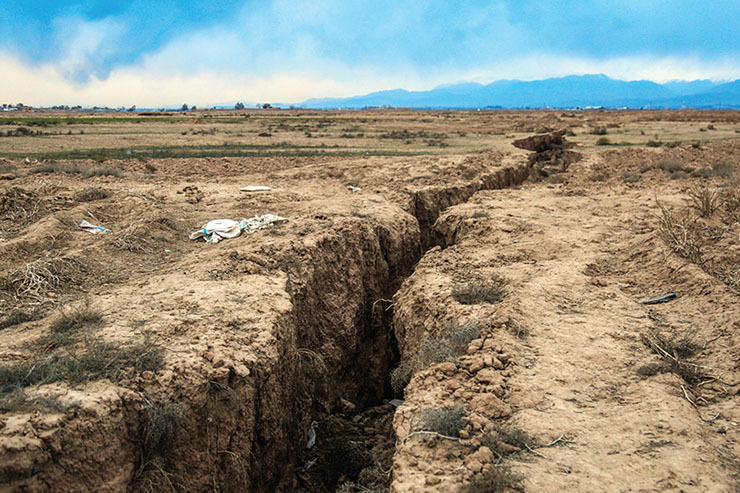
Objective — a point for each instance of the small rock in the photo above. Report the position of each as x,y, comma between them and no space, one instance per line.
488,360
464,434
448,368
489,345
497,364
475,345
473,465
477,365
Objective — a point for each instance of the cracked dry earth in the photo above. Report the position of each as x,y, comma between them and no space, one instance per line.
563,381
579,259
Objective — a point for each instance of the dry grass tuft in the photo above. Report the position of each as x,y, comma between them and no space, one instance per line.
704,200
447,421
681,234
448,346
728,274
496,479
91,194
475,292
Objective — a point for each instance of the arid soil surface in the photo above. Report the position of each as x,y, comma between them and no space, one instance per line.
455,303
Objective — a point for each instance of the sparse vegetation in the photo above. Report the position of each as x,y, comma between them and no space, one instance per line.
19,316
507,440
603,141
91,194
495,479
448,346
447,421
681,234
704,200
491,290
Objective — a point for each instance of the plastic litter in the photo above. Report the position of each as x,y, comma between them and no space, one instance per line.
353,189
395,402
255,188
312,435
219,229
660,299
92,228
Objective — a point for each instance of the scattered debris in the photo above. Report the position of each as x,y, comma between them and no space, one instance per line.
659,299
395,402
219,229
312,436
353,189
92,228
255,188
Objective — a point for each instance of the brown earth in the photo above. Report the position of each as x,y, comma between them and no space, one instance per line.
502,281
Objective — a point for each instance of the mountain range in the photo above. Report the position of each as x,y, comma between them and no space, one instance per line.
574,91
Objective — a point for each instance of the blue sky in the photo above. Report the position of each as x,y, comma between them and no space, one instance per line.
169,52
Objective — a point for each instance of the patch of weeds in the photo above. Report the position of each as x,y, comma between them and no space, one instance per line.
702,173
653,143
599,131
629,177
18,316
723,169
497,479
159,434
76,318
728,274
681,234
704,200
90,171
479,291
447,421
481,215
91,194
670,166
645,168
603,141
678,175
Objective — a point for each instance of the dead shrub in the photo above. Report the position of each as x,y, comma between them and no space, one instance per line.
20,206
681,234
475,292
447,421
91,194
653,143
497,479
675,351
651,369
603,141
506,440
704,200
37,278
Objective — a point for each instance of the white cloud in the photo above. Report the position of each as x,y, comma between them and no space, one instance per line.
155,84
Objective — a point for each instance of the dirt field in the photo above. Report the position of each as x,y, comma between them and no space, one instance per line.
455,303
